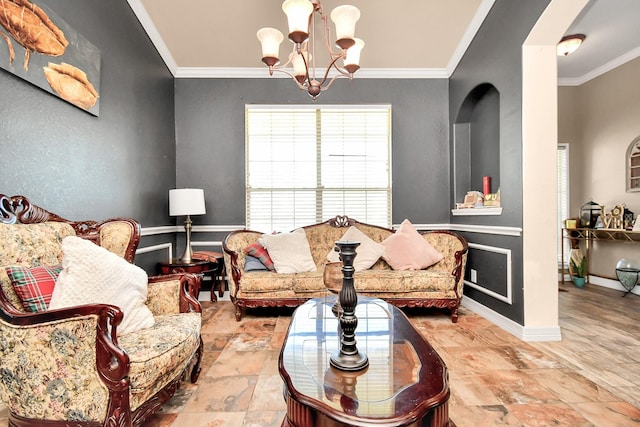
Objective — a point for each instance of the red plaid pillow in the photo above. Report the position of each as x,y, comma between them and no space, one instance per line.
34,285
259,251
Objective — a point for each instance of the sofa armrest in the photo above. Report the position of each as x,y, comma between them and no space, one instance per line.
173,294
454,248
62,361
234,256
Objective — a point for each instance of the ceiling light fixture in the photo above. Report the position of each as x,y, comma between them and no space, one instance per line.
569,44
300,14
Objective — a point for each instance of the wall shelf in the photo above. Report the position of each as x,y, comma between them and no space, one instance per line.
477,211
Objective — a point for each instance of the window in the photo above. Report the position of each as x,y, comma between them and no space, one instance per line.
563,192
307,164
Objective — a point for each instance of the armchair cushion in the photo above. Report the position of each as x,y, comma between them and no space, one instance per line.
34,285
93,275
164,348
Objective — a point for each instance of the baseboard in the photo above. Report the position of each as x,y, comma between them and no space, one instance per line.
604,282
524,333
611,284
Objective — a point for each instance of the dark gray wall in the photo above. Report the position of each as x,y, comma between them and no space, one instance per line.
210,139
495,57
121,163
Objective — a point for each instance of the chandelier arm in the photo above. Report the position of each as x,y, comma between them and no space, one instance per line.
333,65
283,71
327,36
331,81
306,68
308,81
280,67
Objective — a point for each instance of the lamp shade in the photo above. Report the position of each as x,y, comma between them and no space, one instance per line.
186,201
298,13
353,54
298,62
270,39
345,18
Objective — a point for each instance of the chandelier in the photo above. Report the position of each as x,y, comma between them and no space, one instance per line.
302,59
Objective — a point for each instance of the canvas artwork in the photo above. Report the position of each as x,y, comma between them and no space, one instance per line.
38,46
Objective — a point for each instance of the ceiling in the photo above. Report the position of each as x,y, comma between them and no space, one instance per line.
613,38
217,38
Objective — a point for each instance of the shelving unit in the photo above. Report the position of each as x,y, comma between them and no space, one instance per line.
589,235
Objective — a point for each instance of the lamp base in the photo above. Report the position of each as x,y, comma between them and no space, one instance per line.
187,256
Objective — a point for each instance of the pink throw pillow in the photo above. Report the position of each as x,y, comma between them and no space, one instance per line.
406,249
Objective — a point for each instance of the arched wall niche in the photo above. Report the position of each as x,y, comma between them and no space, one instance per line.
476,137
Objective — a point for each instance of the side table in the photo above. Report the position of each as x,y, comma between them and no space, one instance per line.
219,272
202,267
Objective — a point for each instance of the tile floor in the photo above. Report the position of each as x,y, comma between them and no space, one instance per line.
590,378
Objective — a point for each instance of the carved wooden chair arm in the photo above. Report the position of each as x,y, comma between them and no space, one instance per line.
173,293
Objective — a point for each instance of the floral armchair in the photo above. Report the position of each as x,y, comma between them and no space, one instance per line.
69,366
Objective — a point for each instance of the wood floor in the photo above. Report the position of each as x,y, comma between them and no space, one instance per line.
590,378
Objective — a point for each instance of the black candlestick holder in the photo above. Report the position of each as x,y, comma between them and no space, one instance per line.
348,358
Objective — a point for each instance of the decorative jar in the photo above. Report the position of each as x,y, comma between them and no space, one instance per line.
589,213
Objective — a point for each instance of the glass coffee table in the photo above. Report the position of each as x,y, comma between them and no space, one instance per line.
405,384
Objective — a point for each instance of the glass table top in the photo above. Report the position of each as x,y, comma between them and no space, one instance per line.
402,365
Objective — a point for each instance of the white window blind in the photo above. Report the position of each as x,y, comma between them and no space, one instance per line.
563,192
306,164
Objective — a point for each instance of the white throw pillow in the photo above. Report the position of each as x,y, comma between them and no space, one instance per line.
290,252
367,253
93,275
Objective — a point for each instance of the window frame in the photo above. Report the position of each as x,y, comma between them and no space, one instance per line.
382,132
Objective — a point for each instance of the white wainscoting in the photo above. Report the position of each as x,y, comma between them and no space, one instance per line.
507,253
154,248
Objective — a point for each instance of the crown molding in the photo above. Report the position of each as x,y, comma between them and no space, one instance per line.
373,73
153,33
262,73
469,34
615,63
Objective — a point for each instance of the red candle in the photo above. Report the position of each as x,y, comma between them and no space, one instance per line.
486,185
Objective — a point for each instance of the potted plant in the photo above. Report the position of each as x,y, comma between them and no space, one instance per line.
578,268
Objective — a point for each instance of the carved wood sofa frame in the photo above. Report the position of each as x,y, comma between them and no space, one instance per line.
456,260
112,361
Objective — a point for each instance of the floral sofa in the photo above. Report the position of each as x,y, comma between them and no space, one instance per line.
71,366
439,285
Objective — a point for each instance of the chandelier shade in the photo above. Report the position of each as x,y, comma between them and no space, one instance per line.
352,61
345,18
298,13
301,63
270,38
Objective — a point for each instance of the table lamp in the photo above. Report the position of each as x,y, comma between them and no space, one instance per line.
186,201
